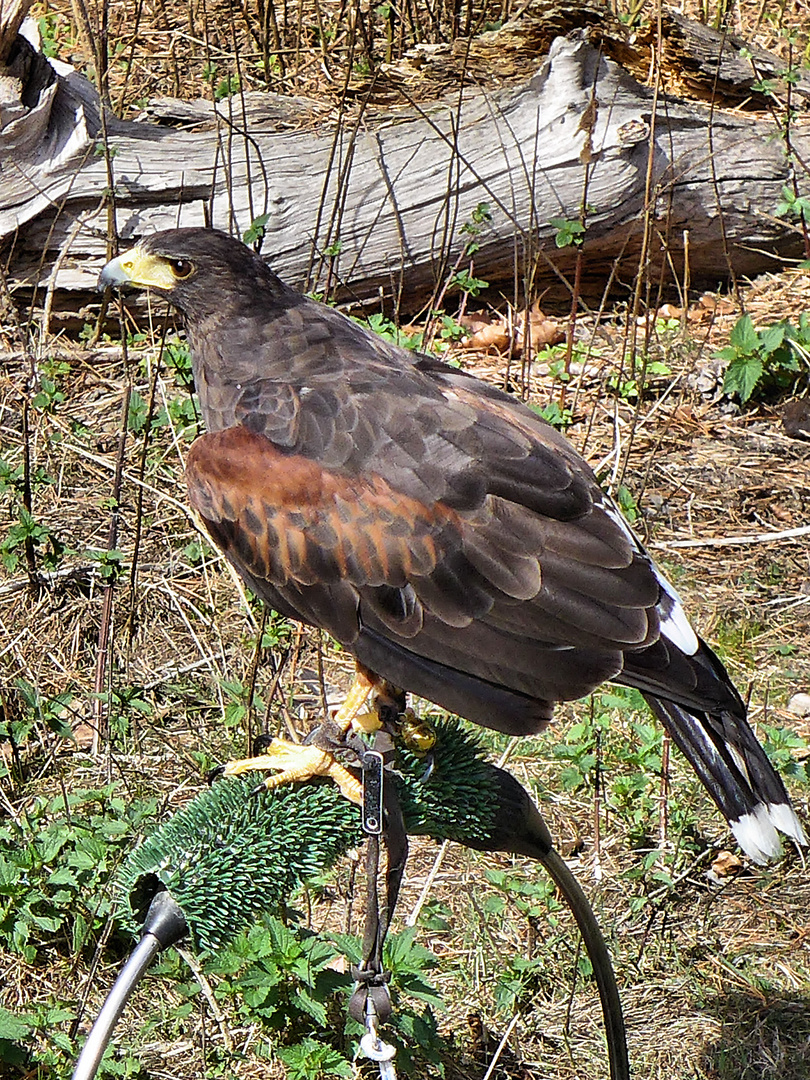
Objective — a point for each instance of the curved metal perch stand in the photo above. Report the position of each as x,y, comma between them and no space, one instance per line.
231,854
164,926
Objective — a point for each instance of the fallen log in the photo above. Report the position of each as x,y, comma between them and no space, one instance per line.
374,205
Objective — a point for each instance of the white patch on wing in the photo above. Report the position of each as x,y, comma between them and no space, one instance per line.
674,624
756,835
784,819
617,517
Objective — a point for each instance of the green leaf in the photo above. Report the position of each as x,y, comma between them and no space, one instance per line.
726,354
772,337
79,933
63,876
554,415
469,284
763,86
311,1060
255,231
657,367
286,947
567,232
82,860
785,204
309,1005
45,922
744,337
14,1027
137,413
742,376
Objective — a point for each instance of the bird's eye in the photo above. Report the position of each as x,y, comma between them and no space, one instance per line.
181,268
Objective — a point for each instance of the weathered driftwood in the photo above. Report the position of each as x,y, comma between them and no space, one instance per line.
12,13
694,61
396,191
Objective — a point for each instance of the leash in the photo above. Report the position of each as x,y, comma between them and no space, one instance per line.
383,823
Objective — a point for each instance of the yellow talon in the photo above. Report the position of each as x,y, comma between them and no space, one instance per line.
295,763
366,722
352,708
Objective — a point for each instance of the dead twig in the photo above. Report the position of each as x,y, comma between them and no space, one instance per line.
731,541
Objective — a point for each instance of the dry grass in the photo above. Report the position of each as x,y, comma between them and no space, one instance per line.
714,980
715,977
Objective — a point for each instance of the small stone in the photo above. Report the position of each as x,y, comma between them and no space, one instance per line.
725,865
796,418
799,705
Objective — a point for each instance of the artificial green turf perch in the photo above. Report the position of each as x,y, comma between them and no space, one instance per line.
232,854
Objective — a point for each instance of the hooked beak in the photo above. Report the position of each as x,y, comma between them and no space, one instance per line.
137,267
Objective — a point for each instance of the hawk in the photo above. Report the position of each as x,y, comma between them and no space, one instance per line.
452,541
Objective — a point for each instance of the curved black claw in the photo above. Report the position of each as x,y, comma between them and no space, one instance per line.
215,774
260,744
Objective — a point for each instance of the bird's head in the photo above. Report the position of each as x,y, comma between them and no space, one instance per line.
197,270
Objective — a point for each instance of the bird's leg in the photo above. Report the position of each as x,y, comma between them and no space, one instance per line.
294,761
352,714
297,762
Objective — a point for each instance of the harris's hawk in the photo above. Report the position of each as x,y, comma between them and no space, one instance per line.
446,536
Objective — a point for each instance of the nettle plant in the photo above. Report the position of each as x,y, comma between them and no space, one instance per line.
768,363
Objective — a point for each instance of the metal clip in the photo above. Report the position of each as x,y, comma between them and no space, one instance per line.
376,1050
372,779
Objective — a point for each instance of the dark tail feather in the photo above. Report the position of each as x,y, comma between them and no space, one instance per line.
736,772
